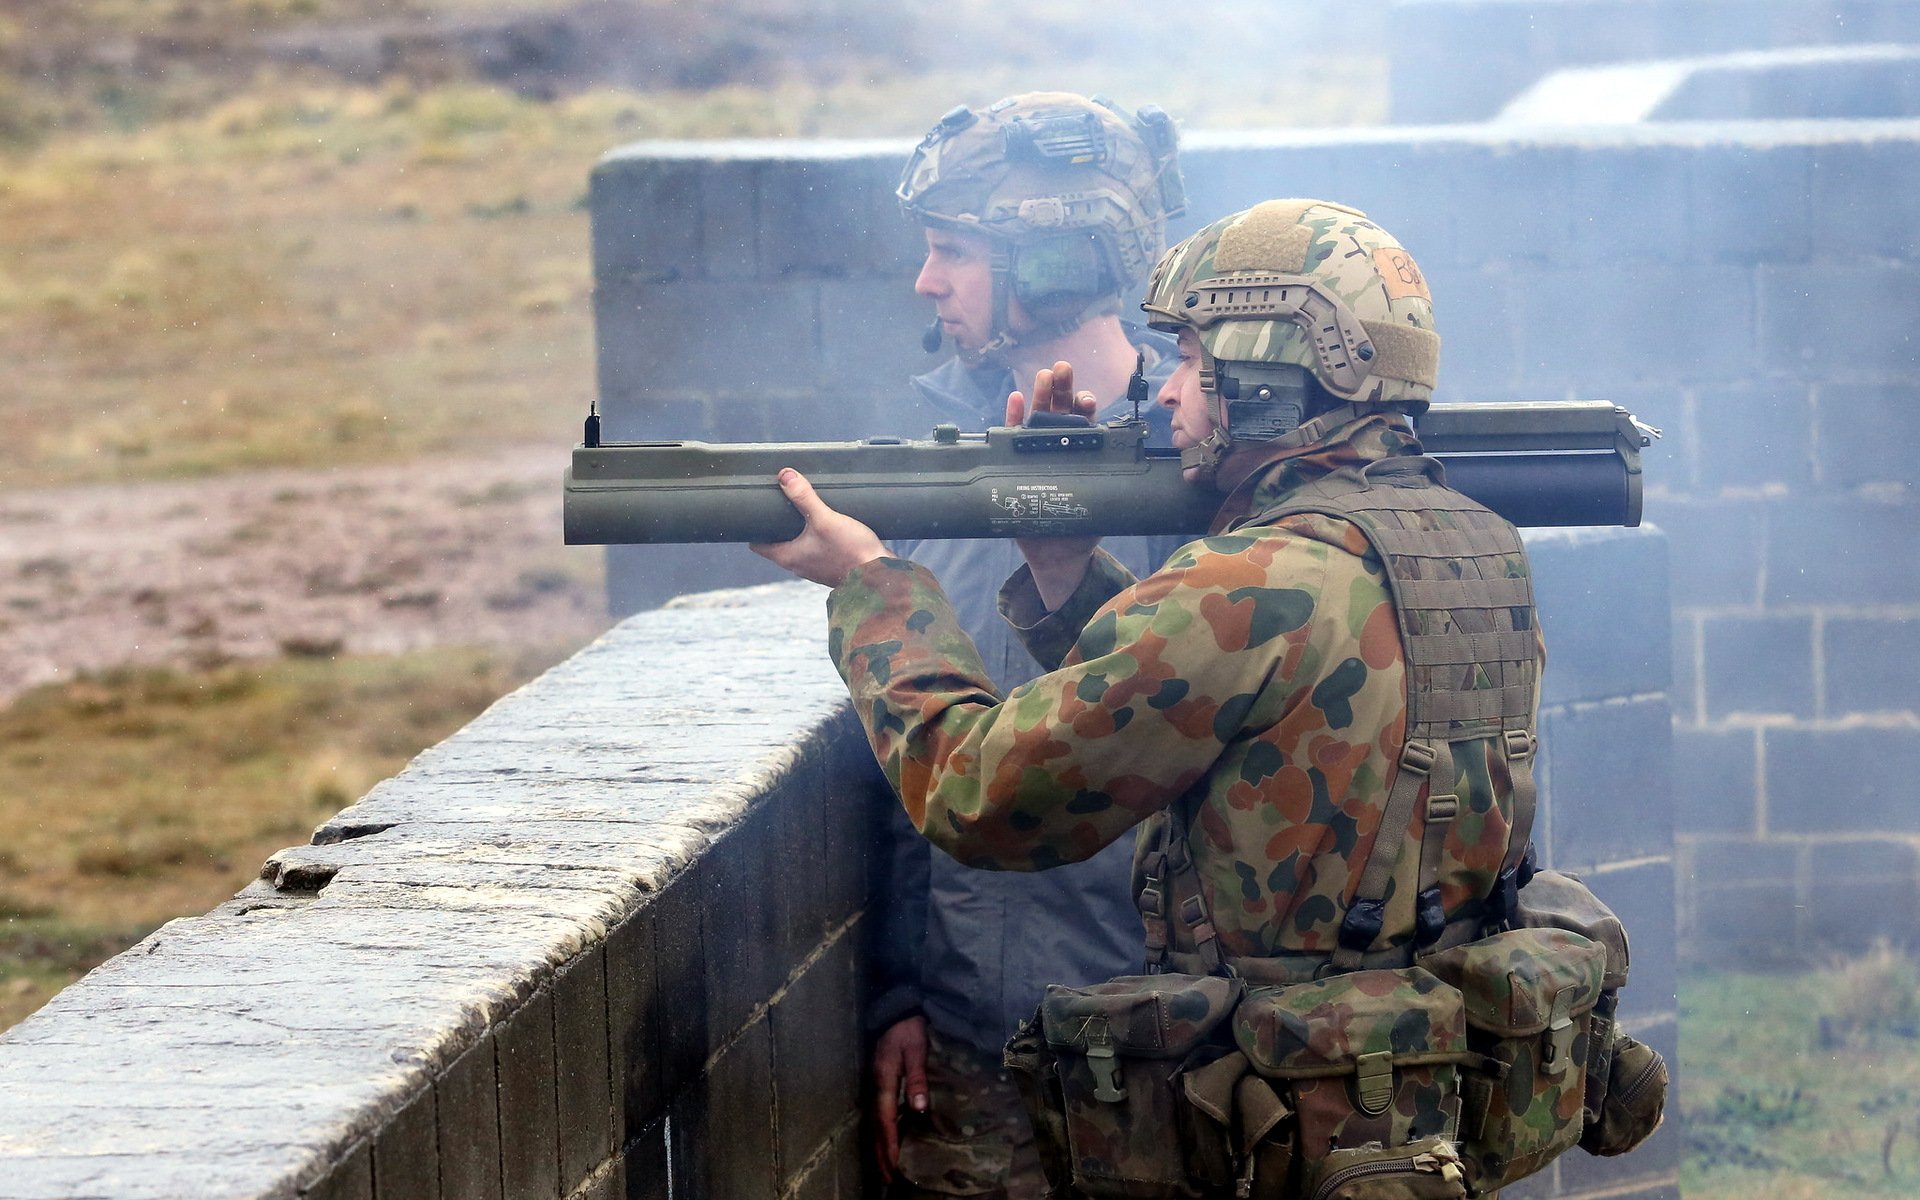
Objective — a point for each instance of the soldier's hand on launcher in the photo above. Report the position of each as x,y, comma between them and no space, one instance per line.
1058,564
831,545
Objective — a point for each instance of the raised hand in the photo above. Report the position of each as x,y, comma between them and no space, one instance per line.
1059,563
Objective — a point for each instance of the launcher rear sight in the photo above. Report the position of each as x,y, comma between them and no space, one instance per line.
1545,463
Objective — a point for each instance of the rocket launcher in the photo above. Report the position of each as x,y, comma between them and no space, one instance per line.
1573,462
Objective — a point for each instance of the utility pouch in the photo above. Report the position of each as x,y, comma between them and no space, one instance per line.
1369,1058
1529,996
1429,1169
1030,1062
1125,1052
1633,1102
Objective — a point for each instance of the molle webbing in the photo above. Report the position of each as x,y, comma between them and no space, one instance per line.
1457,574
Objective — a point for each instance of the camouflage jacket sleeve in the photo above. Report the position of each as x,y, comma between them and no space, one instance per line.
1049,635
1156,685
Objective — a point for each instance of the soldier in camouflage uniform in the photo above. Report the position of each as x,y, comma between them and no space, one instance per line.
1257,683
1043,215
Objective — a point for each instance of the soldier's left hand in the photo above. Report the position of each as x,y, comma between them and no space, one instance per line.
831,545
1058,563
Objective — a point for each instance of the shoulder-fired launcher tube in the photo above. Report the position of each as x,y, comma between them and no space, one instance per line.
1573,462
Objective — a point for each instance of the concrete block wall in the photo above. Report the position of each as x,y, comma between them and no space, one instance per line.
1462,60
604,942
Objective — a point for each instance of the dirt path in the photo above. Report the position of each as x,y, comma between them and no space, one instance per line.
355,560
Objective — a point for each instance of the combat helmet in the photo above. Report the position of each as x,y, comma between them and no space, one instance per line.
1309,315
1072,194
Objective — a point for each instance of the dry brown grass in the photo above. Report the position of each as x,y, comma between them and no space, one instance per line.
133,797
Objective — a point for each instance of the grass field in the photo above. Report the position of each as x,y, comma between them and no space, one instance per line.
143,795
1802,1086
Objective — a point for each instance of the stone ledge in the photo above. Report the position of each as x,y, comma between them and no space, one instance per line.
254,1050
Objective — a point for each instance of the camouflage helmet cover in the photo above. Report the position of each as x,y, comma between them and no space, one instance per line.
1040,169
1305,283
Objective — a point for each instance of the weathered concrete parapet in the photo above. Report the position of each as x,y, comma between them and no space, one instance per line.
532,964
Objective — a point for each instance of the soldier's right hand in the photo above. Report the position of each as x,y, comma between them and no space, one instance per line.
899,1073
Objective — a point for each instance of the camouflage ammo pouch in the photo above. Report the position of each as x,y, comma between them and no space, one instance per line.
1370,1062
1107,1082
1626,1087
1529,995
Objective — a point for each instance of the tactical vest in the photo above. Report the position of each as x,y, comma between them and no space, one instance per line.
1457,575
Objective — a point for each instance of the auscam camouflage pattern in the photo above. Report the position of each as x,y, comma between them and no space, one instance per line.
974,1139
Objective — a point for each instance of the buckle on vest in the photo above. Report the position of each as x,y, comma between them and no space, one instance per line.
1373,1080
1362,925
1520,743
1418,757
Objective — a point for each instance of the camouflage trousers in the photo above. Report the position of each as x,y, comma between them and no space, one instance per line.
974,1139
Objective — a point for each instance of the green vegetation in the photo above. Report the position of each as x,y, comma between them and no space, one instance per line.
1802,1086
133,797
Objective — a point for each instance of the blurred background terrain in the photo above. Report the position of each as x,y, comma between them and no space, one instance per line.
294,302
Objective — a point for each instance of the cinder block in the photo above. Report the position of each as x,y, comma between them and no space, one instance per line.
680,979
646,219
794,825
730,217
1861,892
1754,435
1716,863
1746,924
1635,323
1863,192
1627,203
742,939
870,342
1750,203
647,1166
1715,780
406,1153
1686,652
1715,548
634,1023
1842,550
1643,897
1848,780
817,1055
467,1112
1872,664
1481,358
1839,319
704,338
857,795
350,1179
820,217
529,1138
1608,782
723,1137
1602,600
1758,665
1863,431
1512,202
583,1089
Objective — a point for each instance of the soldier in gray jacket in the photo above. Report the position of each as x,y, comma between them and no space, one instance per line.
1043,214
